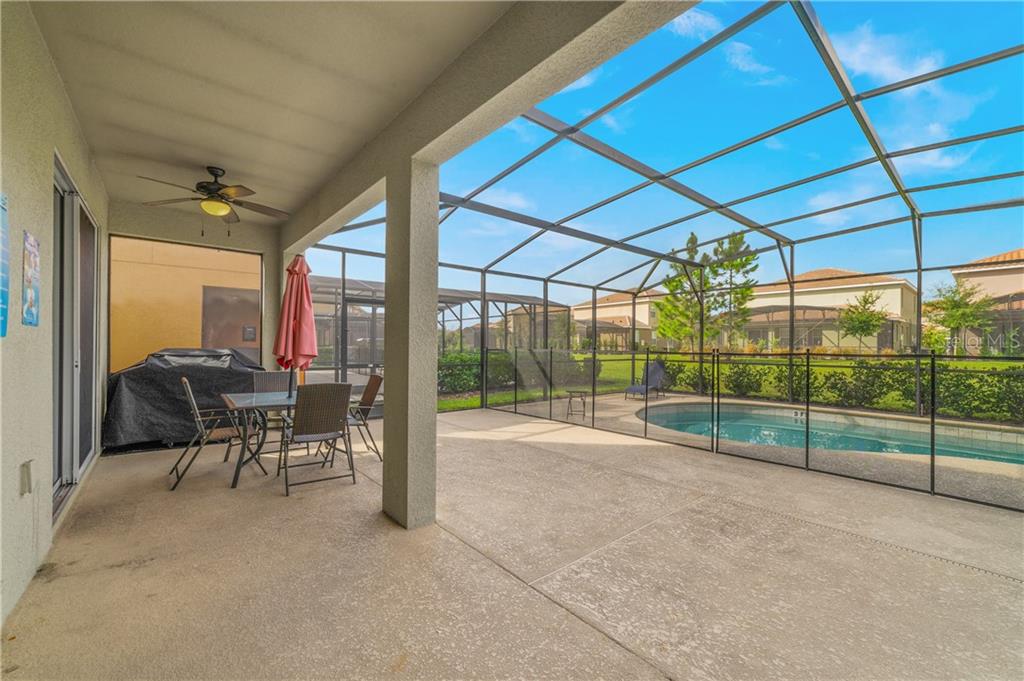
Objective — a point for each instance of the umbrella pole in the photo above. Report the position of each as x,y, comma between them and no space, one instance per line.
291,387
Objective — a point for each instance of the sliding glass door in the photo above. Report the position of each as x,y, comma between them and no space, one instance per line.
74,336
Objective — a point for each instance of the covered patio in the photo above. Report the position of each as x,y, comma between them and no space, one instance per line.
558,552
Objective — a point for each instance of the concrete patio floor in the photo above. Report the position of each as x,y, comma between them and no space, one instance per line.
559,552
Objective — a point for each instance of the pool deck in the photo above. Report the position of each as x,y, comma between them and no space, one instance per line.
559,552
992,482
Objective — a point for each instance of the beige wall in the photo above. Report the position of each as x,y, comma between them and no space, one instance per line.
166,224
892,298
156,293
37,123
644,308
997,281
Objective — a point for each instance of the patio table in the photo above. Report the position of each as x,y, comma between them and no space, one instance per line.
246,402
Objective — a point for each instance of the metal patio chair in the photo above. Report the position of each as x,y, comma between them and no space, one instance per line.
320,417
211,424
360,413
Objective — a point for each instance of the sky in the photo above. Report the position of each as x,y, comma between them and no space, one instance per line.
766,75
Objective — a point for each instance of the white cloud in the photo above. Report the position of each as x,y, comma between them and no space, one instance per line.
919,115
695,23
774,143
771,81
524,132
741,57
504,198
584,82
613,123
487,228
870,212
620,121
885,58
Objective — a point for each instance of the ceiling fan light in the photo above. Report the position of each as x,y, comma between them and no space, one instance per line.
215,207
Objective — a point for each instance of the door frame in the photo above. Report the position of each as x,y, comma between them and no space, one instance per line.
67,337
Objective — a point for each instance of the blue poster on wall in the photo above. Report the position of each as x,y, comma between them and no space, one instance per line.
5,266
30,282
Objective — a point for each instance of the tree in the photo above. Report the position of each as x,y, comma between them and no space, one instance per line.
729,267
679,311
735,266
959,307
935,338
862,317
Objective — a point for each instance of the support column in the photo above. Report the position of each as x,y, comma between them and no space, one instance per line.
410,349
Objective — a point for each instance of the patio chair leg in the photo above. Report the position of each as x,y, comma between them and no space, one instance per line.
348,452
285,469
174,468
227,454
373,443
181,476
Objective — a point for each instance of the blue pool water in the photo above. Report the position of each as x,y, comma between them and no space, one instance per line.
768,428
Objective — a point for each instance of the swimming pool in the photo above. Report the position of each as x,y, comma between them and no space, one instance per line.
773,426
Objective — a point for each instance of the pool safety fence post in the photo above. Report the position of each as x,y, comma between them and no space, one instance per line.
515,379
551,370
931,477
717,397
807,409
593,357
711,392
647,363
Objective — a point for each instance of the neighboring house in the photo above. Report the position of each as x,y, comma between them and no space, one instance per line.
614,319
820,296
1002,278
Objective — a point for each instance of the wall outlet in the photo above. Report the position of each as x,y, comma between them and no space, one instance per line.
25,486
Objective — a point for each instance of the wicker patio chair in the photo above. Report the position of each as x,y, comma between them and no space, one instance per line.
320,417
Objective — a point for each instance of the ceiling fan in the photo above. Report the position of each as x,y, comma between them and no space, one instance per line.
217,199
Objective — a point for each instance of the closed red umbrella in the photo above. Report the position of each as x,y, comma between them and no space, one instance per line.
295,345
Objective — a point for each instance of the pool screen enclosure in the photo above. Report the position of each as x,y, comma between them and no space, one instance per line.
527,332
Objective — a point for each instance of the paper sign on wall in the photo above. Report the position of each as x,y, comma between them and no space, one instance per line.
5,266
30,282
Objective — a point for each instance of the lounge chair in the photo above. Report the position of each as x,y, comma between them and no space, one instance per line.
652,382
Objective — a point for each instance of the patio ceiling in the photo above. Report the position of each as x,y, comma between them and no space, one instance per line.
837,96
279,94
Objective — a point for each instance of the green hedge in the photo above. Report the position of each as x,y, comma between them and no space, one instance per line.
987,394
458,372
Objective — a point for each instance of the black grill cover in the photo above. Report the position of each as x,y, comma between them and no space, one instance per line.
146,402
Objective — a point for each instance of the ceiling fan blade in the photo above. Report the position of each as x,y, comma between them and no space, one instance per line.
235,191
231,217
260,208
164,202
179,186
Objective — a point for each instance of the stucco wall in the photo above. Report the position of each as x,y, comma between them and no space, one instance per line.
156,294
166,224
37,123
998,281
891,298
